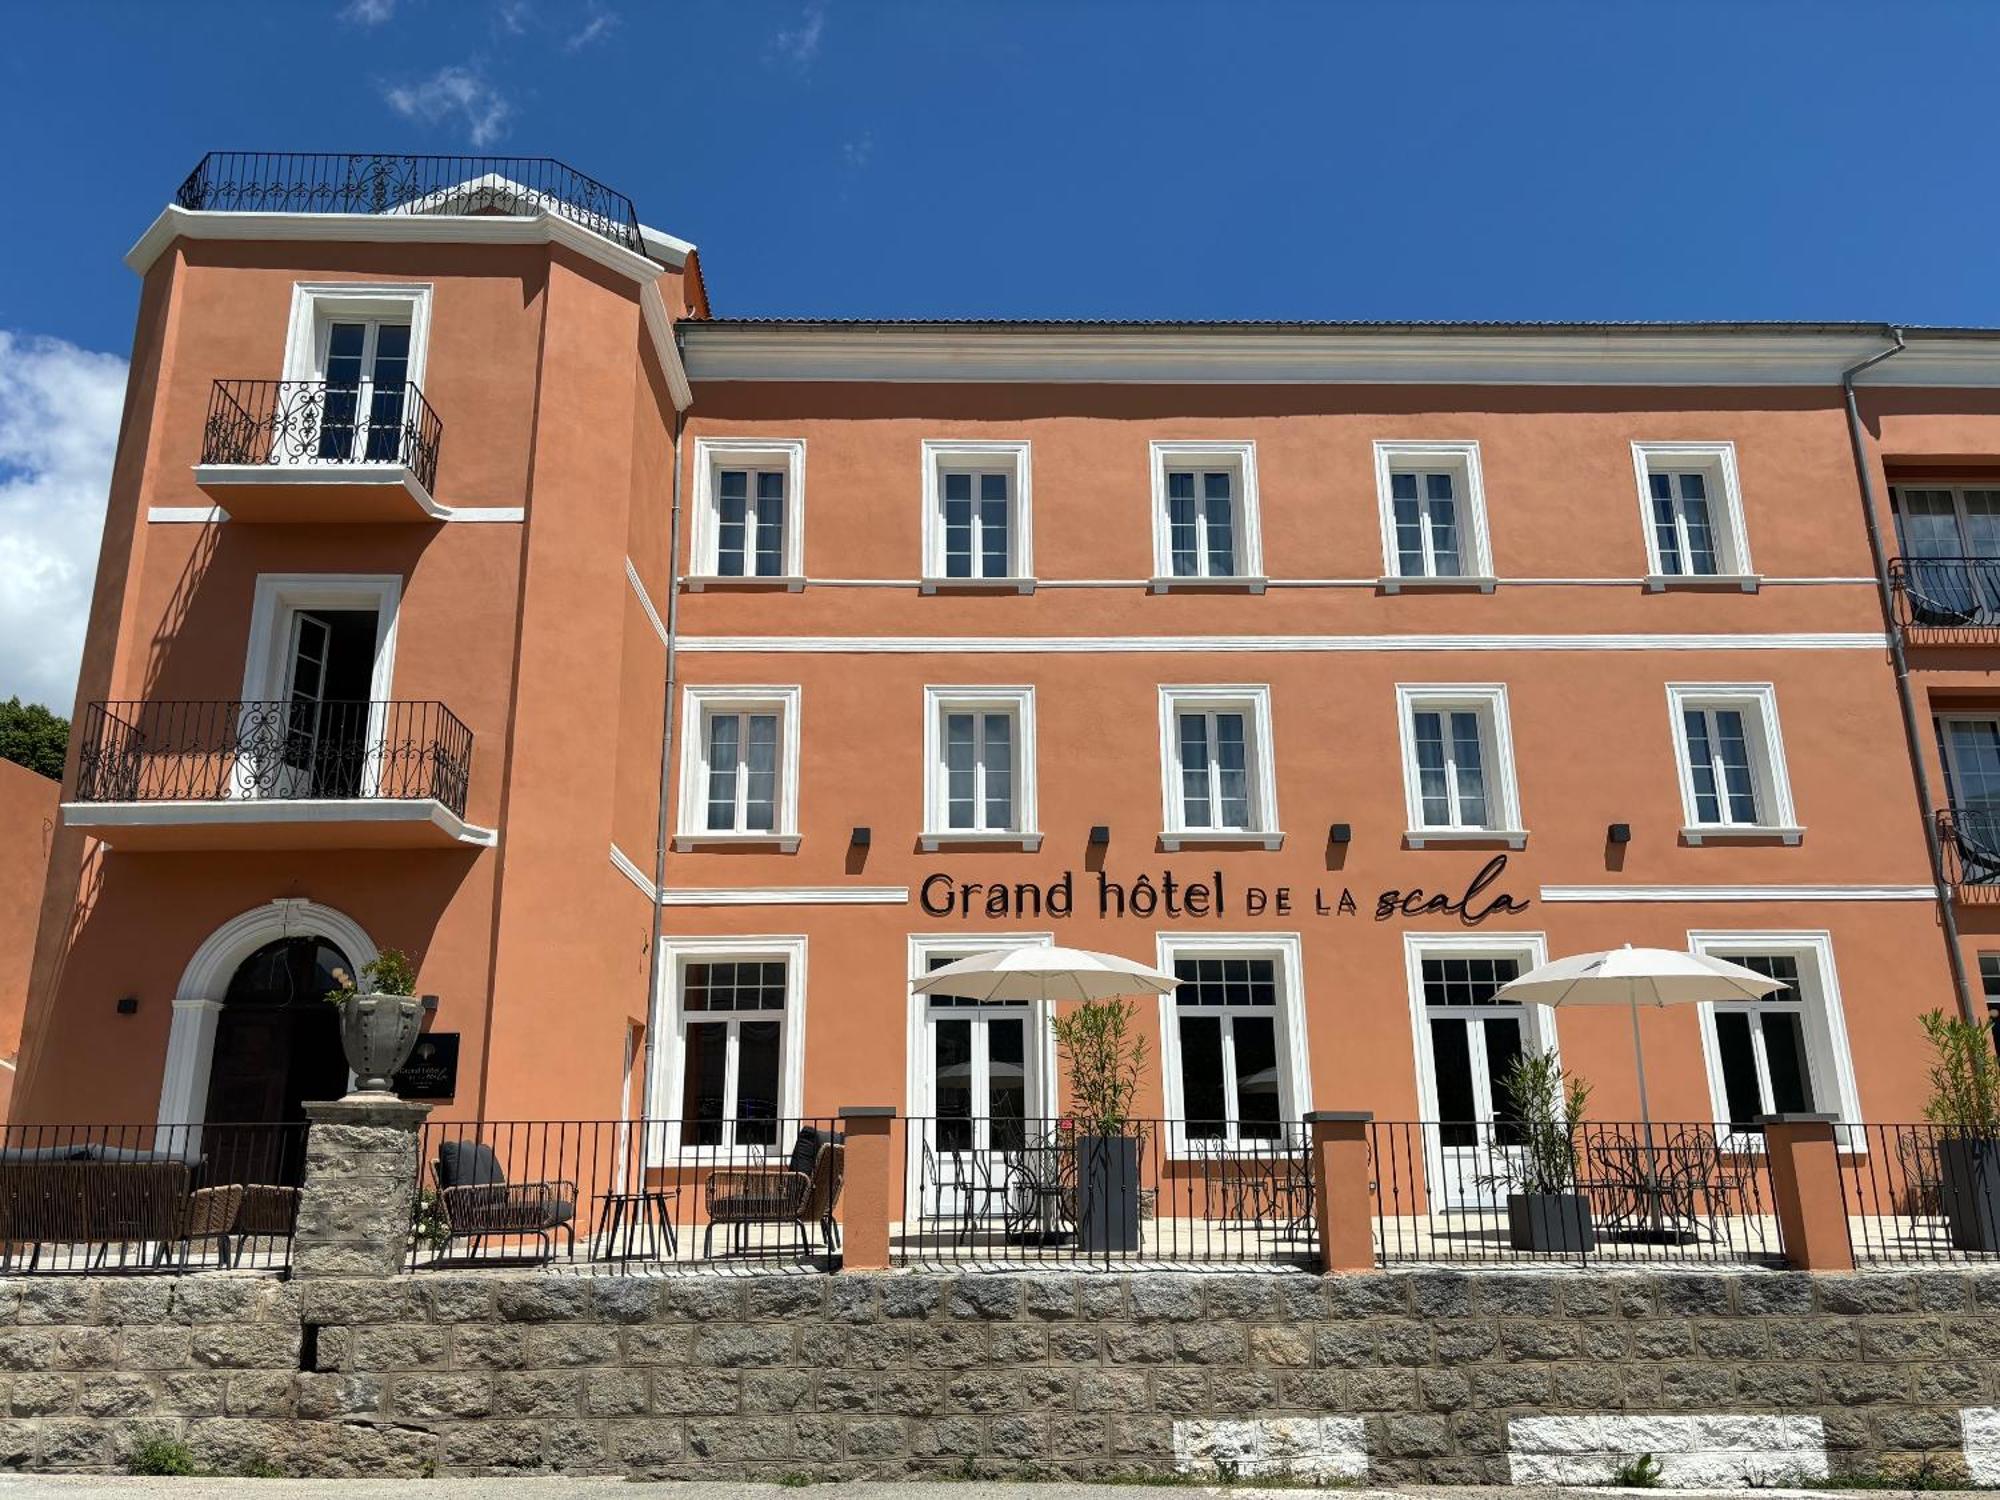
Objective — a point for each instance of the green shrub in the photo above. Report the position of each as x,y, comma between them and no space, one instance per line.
162,1455
1965,1075
389,973
1641,1473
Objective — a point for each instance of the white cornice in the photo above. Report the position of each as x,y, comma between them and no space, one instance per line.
661,327
1858,640
1746,357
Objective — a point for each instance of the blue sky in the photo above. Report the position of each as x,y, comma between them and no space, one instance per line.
1505,159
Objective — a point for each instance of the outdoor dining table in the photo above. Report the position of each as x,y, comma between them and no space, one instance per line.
1656,1186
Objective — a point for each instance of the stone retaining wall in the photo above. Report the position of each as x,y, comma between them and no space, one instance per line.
1415,1376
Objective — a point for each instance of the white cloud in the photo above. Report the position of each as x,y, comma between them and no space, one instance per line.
799,45
597,27
454,91
59,412
369,12
512,16
858,151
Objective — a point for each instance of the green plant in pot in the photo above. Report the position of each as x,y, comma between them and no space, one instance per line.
1103,1056
1545,1210
380,1018
1965,1104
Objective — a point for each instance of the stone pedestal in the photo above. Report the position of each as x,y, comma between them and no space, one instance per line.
360,1190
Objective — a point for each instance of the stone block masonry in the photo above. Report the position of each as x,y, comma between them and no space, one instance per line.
1409,1376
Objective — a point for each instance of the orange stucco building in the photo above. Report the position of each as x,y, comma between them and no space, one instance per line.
674,688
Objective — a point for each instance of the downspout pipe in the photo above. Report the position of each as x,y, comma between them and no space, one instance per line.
1913,736
660,834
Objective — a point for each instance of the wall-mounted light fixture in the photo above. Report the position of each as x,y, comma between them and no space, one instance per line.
860,838
1618,833
1100,835
1340,833
128,1005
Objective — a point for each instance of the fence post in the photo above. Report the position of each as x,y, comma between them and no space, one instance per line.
864,1220
1805,1191
360,1190
1343,1206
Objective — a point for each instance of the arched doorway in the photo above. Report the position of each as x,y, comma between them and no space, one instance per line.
277,1041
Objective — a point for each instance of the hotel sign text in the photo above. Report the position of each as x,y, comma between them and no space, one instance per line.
1177,898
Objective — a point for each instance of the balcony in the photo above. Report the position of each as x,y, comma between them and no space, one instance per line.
274,775
1947,598
1970,838
312,450
291,182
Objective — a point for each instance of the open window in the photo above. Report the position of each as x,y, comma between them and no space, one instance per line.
316,686
1785,1053
728,1083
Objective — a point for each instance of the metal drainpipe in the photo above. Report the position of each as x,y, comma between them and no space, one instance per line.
660,835
1912,724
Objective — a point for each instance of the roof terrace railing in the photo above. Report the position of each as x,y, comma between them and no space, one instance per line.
366,183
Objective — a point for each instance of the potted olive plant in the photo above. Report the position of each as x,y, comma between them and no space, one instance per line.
1965,1103
1102,1055
1544,1209
379,1018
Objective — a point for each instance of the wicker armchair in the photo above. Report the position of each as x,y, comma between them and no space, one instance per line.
98,1196
476,1202
804,1191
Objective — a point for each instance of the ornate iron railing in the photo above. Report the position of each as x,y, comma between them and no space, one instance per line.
236,750
368,183
313,422
1971,841
1946,593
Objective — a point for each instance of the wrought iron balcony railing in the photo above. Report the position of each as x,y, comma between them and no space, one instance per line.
332,183
315,422
1971,841
293,751
1946,593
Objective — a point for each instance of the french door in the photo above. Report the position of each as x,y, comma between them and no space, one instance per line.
366,370
1970,746
1474,1040
1950,541
982,1075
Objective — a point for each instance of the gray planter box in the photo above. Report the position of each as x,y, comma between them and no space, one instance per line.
1969,1187
1107,1192
1556,1223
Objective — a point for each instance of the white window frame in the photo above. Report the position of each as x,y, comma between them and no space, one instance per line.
711,457
316,305
1240,459
697,703
1253,701
1758,703
1503,795
664,1090
1294,1055
917,1090
1957,490
1462,457
1717,460
986,457
1827,1055
1018,701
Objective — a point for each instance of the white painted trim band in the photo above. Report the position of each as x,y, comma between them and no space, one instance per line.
1856,640
787,895
645,601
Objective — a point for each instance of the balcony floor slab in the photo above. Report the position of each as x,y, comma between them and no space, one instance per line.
270,823
318,493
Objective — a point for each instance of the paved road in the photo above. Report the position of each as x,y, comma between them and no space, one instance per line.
20,1486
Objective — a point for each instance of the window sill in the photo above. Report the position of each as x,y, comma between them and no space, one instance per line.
702,583
1219,838
975,585
1705,834
1243,584
1661,583
782,843
933,843
1459,838
1478,583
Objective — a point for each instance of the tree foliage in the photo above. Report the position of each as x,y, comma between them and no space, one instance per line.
31,736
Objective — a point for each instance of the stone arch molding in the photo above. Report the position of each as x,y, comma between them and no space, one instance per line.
198,1000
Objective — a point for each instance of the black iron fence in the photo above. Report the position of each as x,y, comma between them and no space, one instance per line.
1946,593
370,183
1922,1193
176,751
1970,841
1003,1193
1460,1193
630,1195
319,422
148,1198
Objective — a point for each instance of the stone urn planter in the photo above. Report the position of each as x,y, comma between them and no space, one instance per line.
378,1033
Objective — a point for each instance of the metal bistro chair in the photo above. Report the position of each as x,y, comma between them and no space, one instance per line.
803,1191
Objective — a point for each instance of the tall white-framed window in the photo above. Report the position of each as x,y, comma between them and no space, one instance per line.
1458,765
979,767
730,1083
1786,1053
749,512
1691,507
1467,1038
1731,756
977,521
1233,1041
1433,503
1218,780
354,351
739,767
1206,530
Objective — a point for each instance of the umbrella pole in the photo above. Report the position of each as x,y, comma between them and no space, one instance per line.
1645,1111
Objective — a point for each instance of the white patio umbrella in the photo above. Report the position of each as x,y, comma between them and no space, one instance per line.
1045,972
